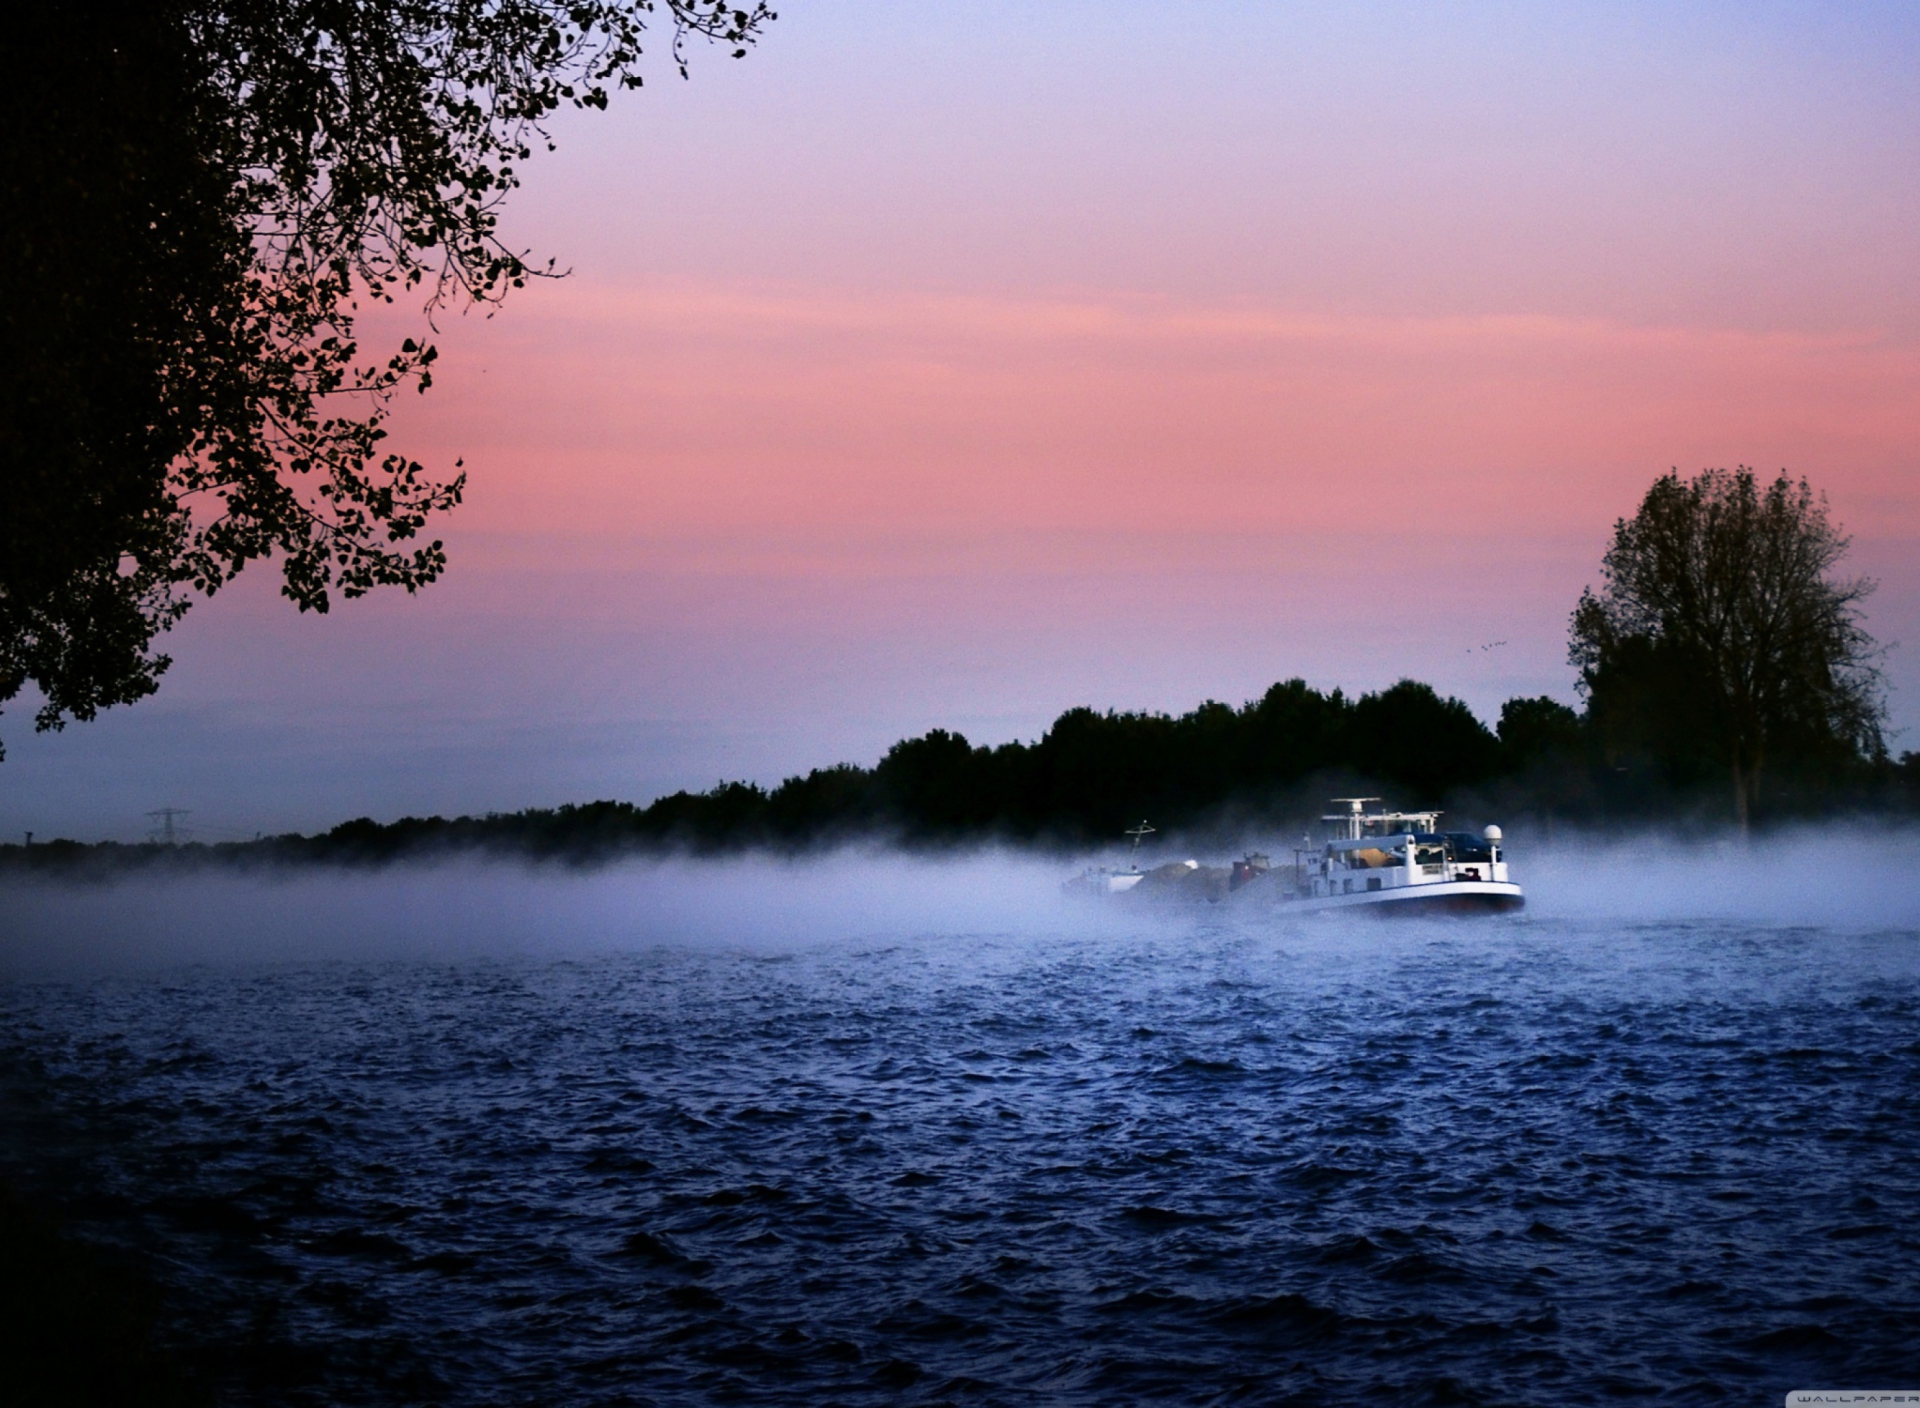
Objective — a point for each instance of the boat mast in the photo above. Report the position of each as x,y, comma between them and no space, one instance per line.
1355,815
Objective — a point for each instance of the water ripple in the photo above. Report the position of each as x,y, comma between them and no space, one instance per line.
1512,1163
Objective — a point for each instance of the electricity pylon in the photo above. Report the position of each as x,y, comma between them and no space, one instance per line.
164,832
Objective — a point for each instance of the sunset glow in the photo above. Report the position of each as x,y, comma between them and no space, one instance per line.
952,368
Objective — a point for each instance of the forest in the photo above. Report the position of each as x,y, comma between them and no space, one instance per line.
1216,773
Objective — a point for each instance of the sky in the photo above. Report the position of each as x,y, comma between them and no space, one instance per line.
950,365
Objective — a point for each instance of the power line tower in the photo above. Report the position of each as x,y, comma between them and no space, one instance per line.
164,831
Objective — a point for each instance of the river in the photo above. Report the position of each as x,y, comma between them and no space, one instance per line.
878,1131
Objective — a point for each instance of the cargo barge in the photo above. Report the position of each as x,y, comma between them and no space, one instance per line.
1385,861
1400,862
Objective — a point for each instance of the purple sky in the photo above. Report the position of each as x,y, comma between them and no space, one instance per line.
949,365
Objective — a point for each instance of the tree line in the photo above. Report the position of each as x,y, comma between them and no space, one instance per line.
1720,648
1219,771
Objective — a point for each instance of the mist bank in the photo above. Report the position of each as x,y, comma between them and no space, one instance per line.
466,907
1205,777
859,901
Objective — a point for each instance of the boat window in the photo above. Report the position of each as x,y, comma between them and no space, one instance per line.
1427,853
1468,849
1376,857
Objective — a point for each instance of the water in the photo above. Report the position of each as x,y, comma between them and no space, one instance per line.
864,1156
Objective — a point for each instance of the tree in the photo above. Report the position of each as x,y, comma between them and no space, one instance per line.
1409,735
1534,730
1720,637
196,198
932,784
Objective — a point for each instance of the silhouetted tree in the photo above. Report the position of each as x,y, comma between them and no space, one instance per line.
1532,730
1294,730
1410,735
1719,637
196,196
932,784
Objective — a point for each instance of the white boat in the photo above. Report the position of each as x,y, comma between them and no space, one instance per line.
1399,863
1387,862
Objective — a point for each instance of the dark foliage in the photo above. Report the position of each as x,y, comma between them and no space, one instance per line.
1540,730
1090,776
121,285
1721,644
1269,764
196,197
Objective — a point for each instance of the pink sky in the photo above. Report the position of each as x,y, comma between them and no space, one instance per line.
957,365
753,420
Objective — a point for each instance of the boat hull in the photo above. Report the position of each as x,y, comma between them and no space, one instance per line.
1461,897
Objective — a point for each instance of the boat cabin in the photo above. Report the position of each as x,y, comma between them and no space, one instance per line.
1387,850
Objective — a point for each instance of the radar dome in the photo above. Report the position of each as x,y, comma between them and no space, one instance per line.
1492,833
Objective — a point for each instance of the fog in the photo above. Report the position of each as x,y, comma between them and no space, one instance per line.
469,908
1838,877
1855,878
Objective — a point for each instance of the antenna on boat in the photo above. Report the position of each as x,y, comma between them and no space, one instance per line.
1356,814
1139,834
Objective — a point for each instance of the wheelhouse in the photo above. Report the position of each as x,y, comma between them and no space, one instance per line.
1378,851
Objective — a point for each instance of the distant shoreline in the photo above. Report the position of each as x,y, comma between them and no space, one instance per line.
582,838
1214,773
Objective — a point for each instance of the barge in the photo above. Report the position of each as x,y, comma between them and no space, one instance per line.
1387,862
1400,862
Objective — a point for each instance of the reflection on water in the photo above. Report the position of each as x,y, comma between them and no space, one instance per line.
1567,1157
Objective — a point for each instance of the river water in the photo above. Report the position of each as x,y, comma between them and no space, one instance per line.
891,1133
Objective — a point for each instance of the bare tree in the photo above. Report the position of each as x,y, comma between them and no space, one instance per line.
1719,628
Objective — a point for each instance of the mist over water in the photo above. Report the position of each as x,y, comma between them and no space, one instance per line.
1836,878
1840,877
875,1128
467,908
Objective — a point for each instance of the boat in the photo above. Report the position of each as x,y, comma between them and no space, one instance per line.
1386,862
1399,863
1098,880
